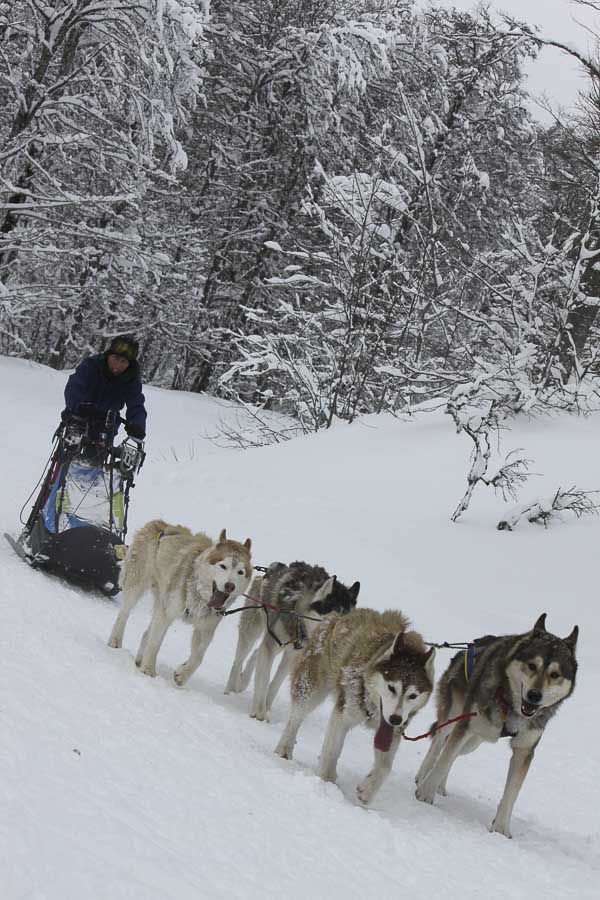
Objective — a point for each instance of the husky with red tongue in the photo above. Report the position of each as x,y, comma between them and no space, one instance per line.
379,673
191,576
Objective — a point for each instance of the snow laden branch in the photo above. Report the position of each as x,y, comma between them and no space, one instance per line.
250,427
549,508
479,424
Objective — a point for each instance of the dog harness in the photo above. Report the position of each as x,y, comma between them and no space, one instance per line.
469,660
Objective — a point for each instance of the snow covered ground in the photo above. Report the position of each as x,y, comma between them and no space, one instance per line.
118,786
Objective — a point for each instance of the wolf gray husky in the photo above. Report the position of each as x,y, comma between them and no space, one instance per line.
288,592
516,685
380,674
191,577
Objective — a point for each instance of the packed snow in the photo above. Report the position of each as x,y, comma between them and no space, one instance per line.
120,786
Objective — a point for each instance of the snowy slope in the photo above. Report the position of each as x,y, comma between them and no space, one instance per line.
119,786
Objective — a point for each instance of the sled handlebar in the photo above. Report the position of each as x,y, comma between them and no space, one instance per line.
83,421
73,430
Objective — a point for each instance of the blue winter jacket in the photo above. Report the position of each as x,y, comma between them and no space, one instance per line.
92,382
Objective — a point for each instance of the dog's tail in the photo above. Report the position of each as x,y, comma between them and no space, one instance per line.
162,529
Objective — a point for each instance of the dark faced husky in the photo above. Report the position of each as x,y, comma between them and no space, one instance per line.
191,576
379,673
517,684
288,593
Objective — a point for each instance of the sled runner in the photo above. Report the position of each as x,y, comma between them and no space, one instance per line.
78,522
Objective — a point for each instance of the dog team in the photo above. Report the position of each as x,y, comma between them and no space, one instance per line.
378,671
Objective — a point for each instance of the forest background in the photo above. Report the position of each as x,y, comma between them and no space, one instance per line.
317,207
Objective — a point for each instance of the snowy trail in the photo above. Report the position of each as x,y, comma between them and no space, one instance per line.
119,786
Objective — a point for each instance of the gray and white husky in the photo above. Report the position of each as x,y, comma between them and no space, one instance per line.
293,596
517,684
191,576
380,674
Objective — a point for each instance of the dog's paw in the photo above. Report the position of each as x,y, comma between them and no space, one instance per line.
329,775
179,677
500,826
115,642
148,670
426,791
261,715
364,793
284,751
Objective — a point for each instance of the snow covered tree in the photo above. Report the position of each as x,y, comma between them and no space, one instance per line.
92,95
328,208
417,177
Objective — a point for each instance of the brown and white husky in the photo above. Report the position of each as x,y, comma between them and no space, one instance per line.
379,673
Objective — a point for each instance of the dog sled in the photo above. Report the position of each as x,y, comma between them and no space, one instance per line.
78,523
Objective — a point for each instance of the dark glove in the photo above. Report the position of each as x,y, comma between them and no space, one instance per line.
135,431
66,416
91,411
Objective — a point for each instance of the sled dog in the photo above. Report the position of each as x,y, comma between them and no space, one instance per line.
380,674
191,577
288,593
516,685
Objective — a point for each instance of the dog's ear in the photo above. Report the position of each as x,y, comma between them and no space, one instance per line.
571,639
386,654
398,644
248,544
222,537
353,591
429,660
325,589
540,625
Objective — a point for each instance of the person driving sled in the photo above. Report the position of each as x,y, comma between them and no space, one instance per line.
105,383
